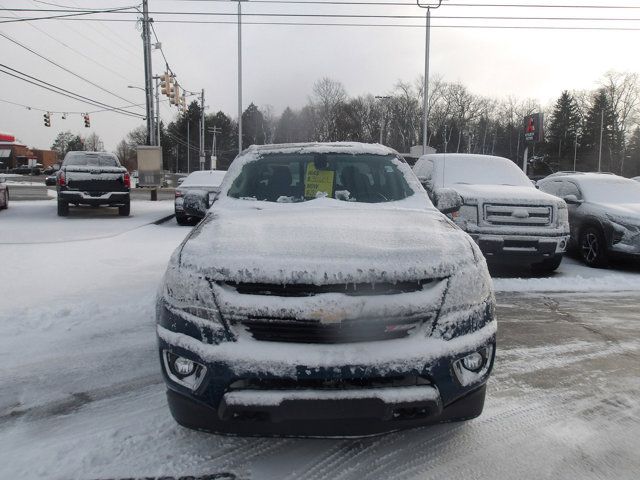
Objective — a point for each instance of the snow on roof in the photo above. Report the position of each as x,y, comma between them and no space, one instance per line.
465,168
204,178
353,148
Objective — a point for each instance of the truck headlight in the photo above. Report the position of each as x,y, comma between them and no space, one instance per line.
466,214
563,215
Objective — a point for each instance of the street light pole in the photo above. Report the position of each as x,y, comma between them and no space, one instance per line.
425,100
148,72
240,76
600,149
382,115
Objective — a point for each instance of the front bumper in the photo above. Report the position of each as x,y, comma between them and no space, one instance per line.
238,395
324,418
520,249
95,199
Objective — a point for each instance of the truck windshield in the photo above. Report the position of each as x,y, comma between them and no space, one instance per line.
91,160
299,177
479,170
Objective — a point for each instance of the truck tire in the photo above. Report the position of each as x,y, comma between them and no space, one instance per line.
63,208
182,219
548,265
5,204
592,247
125,210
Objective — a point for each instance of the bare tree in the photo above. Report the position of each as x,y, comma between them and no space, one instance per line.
328,96
94,143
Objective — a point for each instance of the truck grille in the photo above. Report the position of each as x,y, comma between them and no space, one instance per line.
518,215
314,331
351,289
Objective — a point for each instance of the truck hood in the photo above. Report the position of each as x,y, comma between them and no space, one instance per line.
624,210
324,241
504,194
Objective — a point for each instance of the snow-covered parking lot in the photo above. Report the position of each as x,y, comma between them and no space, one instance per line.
81,395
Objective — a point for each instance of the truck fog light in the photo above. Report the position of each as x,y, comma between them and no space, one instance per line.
473,362
184,366
183,371
563,244
474,367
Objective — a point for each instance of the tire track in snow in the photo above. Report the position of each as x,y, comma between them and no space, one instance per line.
473,436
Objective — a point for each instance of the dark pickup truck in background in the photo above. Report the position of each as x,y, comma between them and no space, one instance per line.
93,178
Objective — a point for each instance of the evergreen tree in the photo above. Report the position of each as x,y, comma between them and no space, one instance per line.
563,129
253,126
600,113
287,127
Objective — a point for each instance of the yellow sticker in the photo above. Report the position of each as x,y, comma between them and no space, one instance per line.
318,181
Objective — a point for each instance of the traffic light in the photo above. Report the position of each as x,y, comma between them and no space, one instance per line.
47,119
166,84
87,120
183,103
175,96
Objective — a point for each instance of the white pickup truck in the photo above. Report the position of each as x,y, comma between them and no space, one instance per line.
512,222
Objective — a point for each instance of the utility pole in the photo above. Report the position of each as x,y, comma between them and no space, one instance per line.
148,72
188,144
202,130
214,158
425,100
157,79
575,151
600,149
240,76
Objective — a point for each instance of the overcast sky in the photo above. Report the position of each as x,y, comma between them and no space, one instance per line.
281,63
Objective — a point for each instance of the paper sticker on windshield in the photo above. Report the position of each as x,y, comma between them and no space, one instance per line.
318,181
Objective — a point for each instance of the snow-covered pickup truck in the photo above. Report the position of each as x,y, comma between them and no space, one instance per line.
93,178
513,222
323,294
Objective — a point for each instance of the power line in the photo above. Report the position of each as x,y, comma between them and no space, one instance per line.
75,14
101,65
386,25
61,91
63,68
413,4
50,110
386,16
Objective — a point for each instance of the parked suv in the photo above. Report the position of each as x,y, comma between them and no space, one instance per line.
604,214
323,294
511,221
93,178
205,182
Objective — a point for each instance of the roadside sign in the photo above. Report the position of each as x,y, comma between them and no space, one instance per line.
534,127
149,166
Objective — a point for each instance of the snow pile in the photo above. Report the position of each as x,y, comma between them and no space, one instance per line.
38,222
573,276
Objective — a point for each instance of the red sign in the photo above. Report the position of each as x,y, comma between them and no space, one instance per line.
5,137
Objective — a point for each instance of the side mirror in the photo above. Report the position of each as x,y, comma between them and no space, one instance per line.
196,203
572,200
447,200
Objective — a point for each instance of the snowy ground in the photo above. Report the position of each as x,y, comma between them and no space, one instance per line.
81,394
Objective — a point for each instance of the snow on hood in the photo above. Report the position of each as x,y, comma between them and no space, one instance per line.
504,193
323,241
629,210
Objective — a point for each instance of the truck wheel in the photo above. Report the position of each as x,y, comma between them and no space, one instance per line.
593,247
182,219
548,265
125,210
5,204
63,208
